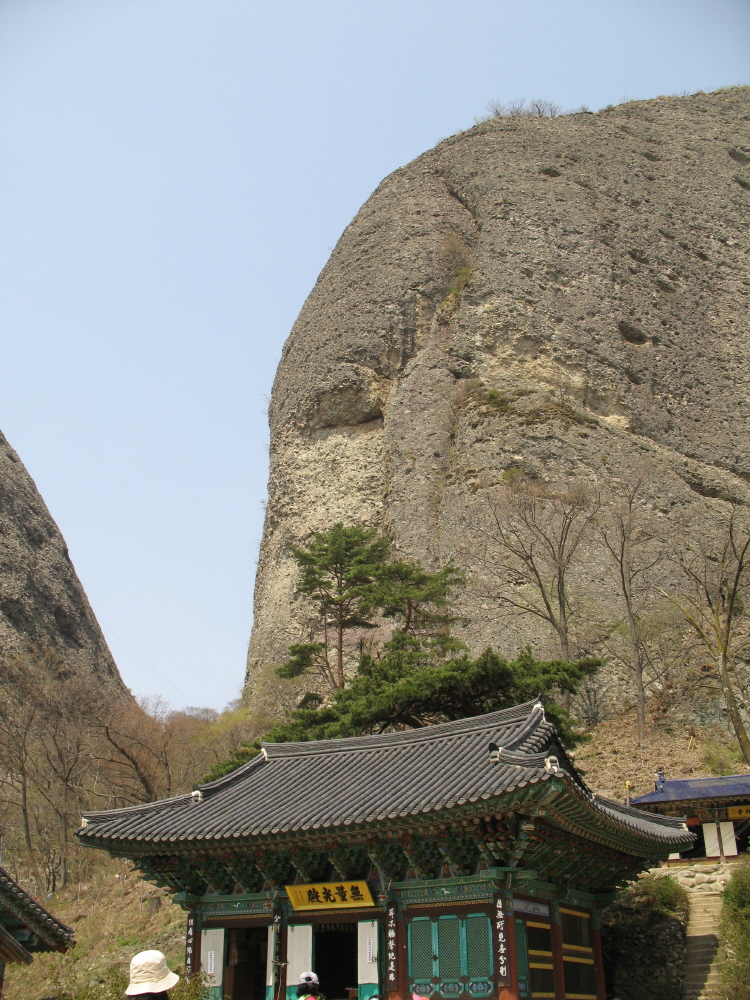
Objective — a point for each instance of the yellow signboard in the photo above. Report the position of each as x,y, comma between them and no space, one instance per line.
738,812
329,895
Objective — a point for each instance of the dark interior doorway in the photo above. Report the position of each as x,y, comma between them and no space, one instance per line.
698,850
336,960
245,976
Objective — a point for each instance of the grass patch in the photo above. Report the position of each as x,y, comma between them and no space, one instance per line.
113,918
458,260
735,930
722,759
553,410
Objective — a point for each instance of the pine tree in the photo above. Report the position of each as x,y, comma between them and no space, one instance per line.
339,574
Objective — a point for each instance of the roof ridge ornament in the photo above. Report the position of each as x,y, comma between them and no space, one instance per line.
551,765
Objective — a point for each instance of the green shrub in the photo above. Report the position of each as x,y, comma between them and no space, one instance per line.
643,940
463,277
661,896
721,759
735,931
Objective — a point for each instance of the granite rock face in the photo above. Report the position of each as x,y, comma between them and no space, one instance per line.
42,603
605,324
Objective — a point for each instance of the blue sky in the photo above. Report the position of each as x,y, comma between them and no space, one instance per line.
173,176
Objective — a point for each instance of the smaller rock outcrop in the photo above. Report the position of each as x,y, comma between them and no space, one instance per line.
42,603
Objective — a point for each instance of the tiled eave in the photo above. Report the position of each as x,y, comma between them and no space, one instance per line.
52,933
557,800
688,807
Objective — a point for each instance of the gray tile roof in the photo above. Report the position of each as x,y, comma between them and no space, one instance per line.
729,786
17,904
296,788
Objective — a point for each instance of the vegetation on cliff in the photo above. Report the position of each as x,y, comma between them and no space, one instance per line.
735,932
419,674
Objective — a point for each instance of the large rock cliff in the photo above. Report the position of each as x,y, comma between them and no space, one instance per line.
607,308
42,604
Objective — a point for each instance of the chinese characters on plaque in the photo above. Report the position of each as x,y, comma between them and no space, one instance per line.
190,942
390,949
329,895
501,943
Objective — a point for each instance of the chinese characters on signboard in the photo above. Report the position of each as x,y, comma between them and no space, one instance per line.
329,895
390,948
501,940
190,942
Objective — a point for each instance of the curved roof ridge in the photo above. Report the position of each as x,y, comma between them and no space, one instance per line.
535,719
421,734
140,807
228,779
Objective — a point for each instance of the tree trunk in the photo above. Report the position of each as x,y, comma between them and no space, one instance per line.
640,694
27,836
636,661
734,711
562,631
340,647
64,839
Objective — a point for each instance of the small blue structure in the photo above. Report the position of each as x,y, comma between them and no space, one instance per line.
716,809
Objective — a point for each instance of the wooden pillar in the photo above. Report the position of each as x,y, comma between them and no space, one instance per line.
596,944
557,951
282,949
2,977
192,937
395,953
403,965
510,992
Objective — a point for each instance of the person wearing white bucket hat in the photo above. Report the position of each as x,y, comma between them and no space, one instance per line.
149,973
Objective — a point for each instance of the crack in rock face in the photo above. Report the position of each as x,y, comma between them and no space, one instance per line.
566,296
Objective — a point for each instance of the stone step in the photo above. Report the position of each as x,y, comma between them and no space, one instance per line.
702,979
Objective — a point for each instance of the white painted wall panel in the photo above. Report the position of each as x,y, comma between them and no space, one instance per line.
367,951
271,955
299,944
711,838
727,839
212,955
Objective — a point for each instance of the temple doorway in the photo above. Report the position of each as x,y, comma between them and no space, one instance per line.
245,975
336,960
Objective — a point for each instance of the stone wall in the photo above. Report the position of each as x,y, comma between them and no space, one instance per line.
644,941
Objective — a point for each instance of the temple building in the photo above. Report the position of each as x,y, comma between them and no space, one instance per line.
716,809
26,927
466,859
